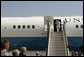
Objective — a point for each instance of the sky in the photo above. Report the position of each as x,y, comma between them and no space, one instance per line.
41,8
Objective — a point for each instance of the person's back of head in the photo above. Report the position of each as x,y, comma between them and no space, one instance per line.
23,49
4,44
37,53
76,53
16,52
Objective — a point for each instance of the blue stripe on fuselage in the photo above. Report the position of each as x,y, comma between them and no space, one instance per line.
40,43
30,43
75,43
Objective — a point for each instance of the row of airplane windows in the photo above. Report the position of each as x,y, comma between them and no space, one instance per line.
19,26
33,26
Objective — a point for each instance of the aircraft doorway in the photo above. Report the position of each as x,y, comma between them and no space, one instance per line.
57,25
55,29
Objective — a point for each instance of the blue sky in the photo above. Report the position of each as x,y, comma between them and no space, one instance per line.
41,8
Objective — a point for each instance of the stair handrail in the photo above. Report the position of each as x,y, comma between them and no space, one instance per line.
65,40
48,36
50,30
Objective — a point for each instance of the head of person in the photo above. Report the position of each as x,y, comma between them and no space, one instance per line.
81,49
16,52
76,53
37,53
23,49
5,44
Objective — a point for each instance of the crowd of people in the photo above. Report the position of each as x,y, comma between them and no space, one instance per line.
23,51
15,52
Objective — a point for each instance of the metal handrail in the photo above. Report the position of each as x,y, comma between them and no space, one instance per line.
65,40
48,30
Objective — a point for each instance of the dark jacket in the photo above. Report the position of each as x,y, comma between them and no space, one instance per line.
22,54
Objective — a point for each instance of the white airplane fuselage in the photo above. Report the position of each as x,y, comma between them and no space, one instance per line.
38,22
34,27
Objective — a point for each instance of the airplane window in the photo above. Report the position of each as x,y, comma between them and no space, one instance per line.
14,26
18,26
76,26
28,26
81,26
23,26
33,26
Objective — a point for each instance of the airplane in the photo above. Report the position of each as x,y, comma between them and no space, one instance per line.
32,31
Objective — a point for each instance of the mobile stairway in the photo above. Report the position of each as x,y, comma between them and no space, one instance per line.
57,43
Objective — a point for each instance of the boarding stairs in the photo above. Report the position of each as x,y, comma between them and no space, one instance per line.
57,44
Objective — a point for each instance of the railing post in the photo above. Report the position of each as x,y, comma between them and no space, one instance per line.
47,40
65,39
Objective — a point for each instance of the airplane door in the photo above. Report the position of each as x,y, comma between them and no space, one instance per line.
55,24
55,29
60,25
